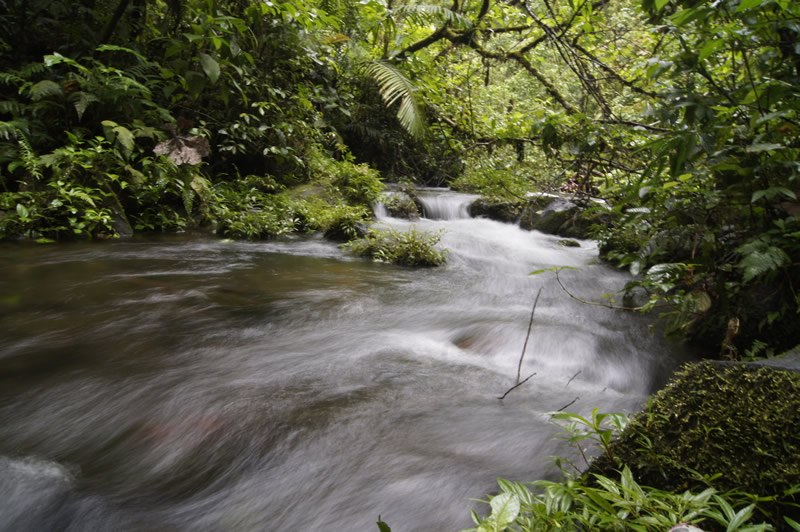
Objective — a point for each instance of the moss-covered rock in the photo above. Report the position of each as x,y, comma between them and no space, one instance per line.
562,217
501,210
401,205
734,425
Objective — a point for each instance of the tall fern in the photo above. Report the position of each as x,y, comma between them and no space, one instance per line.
28,157
394,87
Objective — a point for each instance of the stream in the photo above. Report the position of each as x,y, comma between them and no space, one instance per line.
187,382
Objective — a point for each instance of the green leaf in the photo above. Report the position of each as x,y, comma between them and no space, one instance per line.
660,4
505,509
747,4
383,527
22,211
741,517
120,135
772,193
709,48
761,147
115,48
792,523
210,67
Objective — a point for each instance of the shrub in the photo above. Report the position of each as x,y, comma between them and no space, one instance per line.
611,504
356,183
409,248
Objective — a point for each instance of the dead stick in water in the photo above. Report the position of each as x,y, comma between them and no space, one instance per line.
568,404
573,377
516,386
527,337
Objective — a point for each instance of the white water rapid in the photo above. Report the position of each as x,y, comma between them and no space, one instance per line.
190,383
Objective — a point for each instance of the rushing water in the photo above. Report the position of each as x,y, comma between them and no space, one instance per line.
191,383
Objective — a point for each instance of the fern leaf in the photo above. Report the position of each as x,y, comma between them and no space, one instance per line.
10,78
115,48
395,87
11,107
759,258
45,89
424,13
28,156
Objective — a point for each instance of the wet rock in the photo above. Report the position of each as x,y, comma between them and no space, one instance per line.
560,217
401,205
550,219
507,211
569,243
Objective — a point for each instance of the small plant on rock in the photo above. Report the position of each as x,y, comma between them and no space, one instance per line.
406,248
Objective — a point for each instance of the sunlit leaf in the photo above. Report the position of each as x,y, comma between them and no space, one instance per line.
210,67
505,509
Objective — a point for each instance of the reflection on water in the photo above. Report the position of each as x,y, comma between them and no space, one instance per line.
189,383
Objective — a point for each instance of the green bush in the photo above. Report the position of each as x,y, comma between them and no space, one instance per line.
356,183
406,248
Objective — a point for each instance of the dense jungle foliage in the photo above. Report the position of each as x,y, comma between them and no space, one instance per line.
259,118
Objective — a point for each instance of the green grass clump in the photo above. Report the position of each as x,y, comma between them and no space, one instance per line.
406,248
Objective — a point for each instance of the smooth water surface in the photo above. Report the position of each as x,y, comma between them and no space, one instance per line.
191,383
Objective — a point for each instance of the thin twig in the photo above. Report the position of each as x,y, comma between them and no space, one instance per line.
573,377
516,386
527,336
595,303
568,404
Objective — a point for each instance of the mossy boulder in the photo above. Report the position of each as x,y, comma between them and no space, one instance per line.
501,210
562,217
401,205
730,425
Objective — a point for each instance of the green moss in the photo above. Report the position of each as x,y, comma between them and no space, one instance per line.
732,426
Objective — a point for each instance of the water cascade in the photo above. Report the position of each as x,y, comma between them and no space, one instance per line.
440,204
192,383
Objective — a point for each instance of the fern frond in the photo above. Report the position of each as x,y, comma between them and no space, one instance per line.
759,258
123,49
10,130
11,107
28,156
45,89
11,79
426,13
31,69
395,87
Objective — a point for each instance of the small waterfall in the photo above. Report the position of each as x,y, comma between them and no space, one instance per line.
442,204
